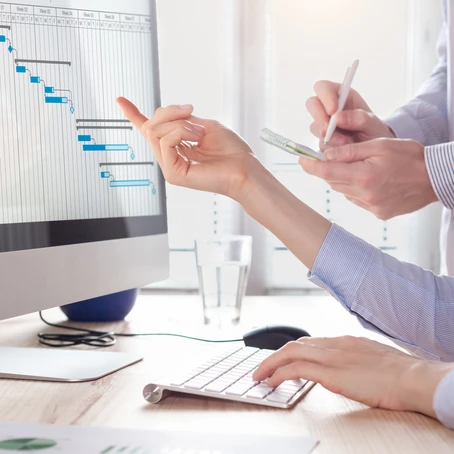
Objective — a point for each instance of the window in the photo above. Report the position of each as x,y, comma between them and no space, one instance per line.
252,64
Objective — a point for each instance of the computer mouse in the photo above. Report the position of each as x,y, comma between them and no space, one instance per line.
273,337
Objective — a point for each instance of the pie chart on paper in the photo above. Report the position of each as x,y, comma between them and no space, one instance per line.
26,444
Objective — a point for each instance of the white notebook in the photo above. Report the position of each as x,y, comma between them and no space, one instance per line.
51,439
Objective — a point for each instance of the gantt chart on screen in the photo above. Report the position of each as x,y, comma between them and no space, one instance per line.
66,150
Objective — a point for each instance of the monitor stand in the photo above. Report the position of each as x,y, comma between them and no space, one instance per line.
46,364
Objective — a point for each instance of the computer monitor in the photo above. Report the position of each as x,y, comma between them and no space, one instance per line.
82,200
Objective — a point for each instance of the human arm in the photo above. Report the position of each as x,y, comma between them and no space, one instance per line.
217,160
367,371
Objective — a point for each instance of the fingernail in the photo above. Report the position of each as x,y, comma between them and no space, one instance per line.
185,106
329,154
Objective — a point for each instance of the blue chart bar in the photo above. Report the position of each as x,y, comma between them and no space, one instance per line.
49,90
2,39
21,69
84,138
129,183
35,79
56,100
105,174
120,147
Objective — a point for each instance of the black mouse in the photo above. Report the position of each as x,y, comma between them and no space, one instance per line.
273,337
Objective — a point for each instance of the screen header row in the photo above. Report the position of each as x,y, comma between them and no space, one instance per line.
73,13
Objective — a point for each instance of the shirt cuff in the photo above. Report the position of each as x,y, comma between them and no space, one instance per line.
440,166
443,401
341,264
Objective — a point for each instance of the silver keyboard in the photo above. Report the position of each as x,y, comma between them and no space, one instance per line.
229,376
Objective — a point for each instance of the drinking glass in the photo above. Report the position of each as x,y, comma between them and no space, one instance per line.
223,269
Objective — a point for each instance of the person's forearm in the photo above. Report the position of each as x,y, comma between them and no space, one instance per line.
299,227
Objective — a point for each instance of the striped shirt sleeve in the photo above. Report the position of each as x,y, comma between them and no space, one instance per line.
440,166
410,305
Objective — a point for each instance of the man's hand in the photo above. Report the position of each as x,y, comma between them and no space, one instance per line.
360,369
356,123
387,177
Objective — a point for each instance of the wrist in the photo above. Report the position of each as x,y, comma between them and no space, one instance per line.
250,174
428,192
419,384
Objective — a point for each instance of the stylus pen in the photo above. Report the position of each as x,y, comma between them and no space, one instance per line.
344,91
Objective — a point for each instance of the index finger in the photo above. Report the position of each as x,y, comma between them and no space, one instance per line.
132,113
162,115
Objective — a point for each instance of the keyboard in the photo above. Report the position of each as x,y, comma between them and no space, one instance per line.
229,376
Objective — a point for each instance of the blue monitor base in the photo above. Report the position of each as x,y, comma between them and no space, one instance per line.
108,308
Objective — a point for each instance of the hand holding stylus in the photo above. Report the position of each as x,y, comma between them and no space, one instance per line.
355,123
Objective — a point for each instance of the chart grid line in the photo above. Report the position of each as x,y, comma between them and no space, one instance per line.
130,128
45,62
79,120
132,163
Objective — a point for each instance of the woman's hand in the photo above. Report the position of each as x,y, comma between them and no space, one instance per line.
360,369
356,123
193,152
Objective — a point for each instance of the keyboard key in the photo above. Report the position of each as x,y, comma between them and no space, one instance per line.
196,384
244,383
259,392
180,381
238,389
218,386
279,397
291,385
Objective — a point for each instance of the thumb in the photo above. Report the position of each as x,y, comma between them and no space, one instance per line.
351,152
357,120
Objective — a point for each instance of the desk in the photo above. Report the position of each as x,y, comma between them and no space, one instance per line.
341,425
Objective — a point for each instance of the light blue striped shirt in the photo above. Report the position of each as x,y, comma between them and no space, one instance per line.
410,305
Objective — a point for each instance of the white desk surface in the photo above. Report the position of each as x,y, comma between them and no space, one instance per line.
341,425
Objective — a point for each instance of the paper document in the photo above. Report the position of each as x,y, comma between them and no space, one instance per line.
50,439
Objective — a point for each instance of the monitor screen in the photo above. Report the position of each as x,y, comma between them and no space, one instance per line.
72,168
